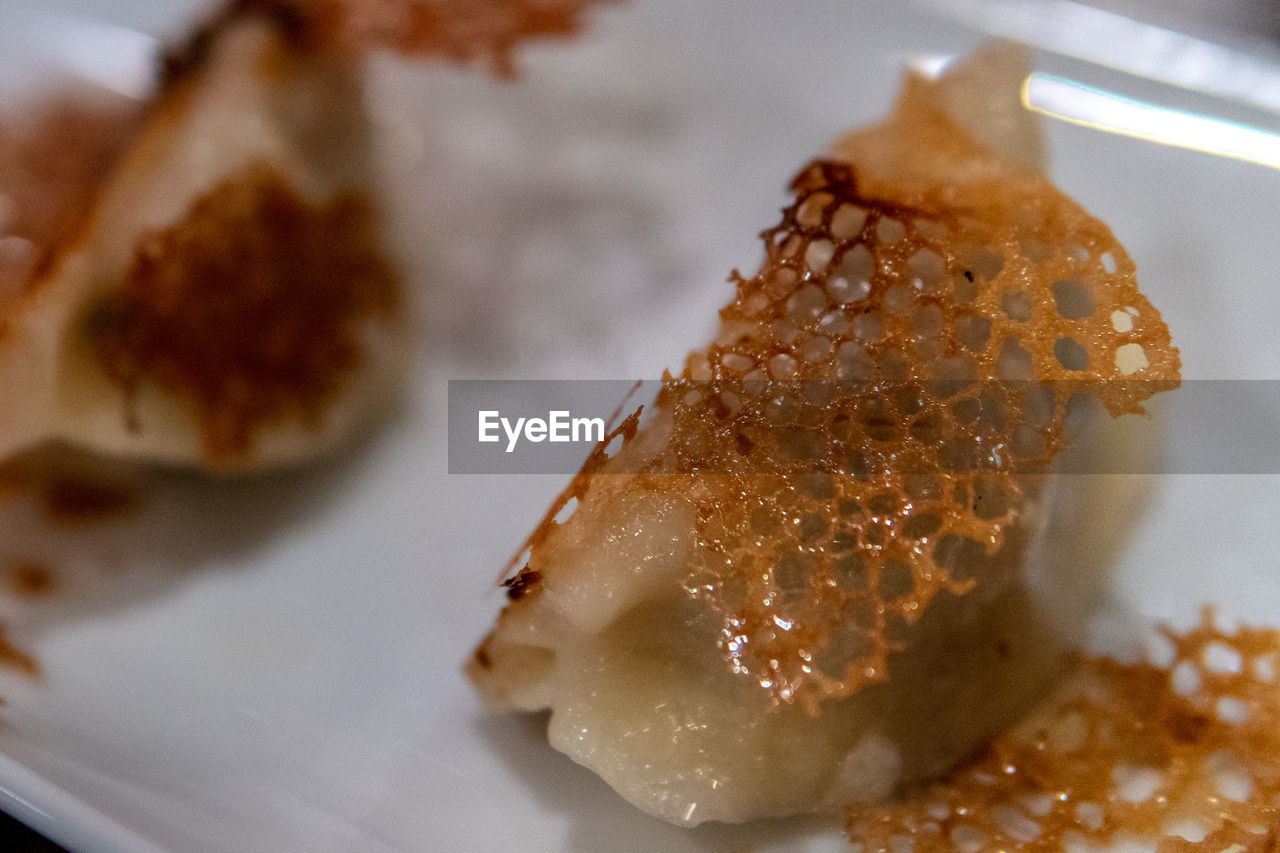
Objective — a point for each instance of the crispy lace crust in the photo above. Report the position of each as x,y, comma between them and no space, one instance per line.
867,424
1190,750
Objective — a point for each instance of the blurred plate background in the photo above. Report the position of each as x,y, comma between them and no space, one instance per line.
274,664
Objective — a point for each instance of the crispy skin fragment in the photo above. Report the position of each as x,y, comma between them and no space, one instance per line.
251,308
1212,753
468,31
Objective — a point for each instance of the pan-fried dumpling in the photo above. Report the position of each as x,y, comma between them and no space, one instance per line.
212,288
225,301
803,579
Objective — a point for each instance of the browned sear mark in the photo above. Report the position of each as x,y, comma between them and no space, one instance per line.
71,488
16,658
251,309
522,584
29,579
73,499
15,478
485,31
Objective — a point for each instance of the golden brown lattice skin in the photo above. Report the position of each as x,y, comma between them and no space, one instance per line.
878,408
1150,753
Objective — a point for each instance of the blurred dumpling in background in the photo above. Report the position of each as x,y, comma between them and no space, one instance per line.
203,280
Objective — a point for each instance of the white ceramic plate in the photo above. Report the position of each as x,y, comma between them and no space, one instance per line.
275,664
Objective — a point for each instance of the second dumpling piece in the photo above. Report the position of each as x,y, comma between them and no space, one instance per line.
803,578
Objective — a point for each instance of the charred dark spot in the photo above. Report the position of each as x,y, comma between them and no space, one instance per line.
520,585
73,499
1187,726
179,61
31,580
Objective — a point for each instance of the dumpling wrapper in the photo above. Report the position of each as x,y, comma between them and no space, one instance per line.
239,209
722,637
